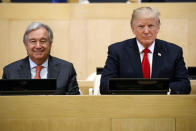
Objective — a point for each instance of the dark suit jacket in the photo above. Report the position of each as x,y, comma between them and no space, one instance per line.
124,62
62,70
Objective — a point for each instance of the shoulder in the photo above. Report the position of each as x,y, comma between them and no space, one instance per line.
122,44
59,61
16,64
168,45
170,48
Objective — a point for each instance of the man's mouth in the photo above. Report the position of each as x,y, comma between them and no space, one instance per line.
147,37
38,52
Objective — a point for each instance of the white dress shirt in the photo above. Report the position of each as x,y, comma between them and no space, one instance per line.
150,54
44,70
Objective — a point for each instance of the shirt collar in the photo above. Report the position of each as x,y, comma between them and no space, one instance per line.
33,64
141,47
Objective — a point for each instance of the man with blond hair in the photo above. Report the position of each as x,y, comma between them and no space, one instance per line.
145,56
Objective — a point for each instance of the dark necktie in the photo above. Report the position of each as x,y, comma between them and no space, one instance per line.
38,70
146,64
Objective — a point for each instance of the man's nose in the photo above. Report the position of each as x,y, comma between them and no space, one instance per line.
146,29
38,45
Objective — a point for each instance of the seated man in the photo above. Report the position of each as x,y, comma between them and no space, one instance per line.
145,56
39,63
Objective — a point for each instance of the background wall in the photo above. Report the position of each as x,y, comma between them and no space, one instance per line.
82,32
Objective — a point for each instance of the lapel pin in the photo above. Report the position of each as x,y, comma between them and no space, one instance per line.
159,54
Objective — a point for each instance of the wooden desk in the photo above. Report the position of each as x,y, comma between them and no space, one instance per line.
98,113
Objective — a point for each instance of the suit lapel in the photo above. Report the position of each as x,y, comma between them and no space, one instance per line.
133,54
24,69
158,55
53,68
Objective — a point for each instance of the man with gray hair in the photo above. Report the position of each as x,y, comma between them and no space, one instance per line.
39,64
145,56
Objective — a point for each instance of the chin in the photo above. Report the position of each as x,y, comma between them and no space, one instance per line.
148,42
38,57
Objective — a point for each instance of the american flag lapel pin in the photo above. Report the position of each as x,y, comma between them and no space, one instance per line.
159,54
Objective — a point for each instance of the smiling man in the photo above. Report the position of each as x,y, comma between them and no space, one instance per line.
146,56
39,64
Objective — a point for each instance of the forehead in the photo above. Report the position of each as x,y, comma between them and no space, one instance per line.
38,33
143,20
151,19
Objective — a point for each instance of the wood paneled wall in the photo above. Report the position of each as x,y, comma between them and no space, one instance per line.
82,32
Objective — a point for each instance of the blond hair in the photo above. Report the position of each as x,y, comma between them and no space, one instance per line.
145,12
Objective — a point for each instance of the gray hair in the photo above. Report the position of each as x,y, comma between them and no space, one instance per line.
145,12
34,26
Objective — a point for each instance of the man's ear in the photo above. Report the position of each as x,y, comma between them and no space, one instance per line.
158,28
50,44
25,44
133,29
